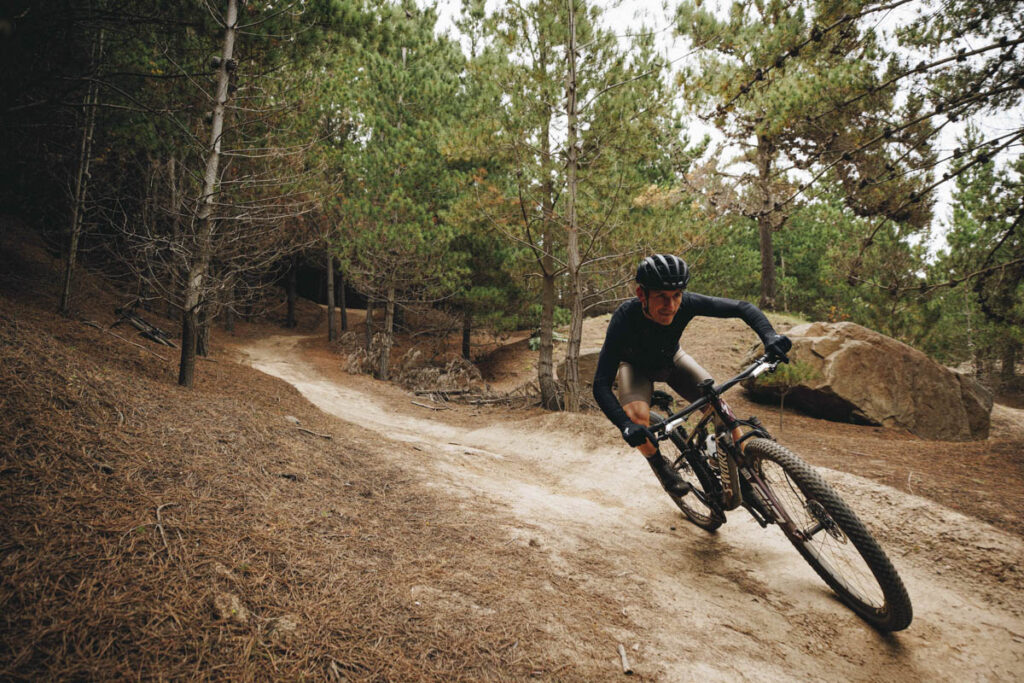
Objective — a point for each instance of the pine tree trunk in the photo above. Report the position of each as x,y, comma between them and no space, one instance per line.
147,277
293,292
1008,364
549,397
189,337
467,331
81,182
571,381
250,305
331,334
339,283
981,365
369,324
203,337
229,319
199,268
175,209
764,223
389,335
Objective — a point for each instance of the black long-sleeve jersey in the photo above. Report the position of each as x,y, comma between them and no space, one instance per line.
648,346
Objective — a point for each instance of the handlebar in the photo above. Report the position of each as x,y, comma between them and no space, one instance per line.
765,363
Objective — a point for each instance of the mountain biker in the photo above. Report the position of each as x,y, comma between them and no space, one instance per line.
641,346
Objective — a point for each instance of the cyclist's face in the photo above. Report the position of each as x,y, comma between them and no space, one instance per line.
661,305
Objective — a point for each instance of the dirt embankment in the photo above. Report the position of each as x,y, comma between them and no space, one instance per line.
148,531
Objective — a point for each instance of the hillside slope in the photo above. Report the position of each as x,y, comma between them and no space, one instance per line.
148,531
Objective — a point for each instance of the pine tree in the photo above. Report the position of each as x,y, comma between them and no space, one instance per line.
772,80
986,247
396,246
587,127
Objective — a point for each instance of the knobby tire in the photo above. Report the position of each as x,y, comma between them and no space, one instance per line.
842,550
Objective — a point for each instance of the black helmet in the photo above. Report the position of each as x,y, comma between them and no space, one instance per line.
663,271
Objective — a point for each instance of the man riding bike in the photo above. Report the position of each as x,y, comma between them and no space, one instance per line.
641,346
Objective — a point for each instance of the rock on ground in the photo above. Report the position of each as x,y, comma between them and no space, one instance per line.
863,376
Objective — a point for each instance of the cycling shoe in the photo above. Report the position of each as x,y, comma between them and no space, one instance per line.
667,476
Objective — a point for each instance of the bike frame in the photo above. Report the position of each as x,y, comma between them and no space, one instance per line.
758,498
713,397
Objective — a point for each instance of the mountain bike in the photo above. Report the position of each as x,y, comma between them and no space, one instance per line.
732,463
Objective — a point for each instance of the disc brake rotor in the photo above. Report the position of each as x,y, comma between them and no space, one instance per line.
820,514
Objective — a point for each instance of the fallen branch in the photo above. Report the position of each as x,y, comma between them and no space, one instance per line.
424,405
309,431
145,328
489,401
160,524
626,668
112,334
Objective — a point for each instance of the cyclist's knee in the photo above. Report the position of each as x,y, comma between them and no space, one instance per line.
639,412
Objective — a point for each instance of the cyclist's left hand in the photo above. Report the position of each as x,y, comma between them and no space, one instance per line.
778,345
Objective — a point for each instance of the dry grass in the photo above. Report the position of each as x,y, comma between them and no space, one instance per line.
147,531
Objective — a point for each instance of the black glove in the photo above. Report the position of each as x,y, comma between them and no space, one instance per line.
778,345
636,435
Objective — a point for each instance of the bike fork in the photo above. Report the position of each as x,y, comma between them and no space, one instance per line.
770,510
753,501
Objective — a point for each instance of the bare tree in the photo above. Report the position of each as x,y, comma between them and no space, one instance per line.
82,176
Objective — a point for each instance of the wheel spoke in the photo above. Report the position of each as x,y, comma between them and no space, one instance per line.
818,532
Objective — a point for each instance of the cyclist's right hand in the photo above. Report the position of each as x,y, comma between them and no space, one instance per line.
778,345
636,435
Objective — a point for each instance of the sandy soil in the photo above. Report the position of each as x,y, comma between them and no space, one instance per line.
736,604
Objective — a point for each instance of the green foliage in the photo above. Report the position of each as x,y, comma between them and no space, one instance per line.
532,316
789,96
730,264
402,97
442,175
488,290
982,319
946,28
788,376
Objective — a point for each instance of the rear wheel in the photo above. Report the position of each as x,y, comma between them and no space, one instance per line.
696,505
832,538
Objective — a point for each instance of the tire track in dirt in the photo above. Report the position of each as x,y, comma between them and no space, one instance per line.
739,604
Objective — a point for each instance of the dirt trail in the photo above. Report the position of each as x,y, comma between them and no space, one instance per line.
736,604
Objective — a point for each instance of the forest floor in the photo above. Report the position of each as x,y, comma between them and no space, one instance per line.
291,520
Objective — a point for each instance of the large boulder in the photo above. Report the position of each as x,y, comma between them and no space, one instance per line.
865,377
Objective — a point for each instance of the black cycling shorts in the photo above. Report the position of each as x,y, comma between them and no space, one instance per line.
683,376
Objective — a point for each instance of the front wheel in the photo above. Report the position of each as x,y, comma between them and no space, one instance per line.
831,537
